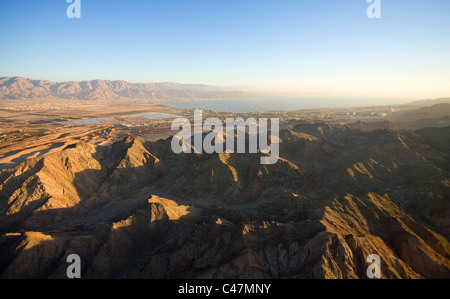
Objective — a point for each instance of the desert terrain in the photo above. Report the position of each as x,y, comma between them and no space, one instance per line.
99,180
34,131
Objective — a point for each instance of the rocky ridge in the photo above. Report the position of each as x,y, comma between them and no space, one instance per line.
136,210
19,88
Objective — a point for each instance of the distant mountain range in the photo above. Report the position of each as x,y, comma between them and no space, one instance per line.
17,88
20,88
430,102
437,116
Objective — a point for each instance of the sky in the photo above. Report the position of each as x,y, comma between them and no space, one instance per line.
326,47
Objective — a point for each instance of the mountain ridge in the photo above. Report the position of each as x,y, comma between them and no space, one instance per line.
429,102
15,88
135,209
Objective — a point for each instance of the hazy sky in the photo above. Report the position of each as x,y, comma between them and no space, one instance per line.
317,46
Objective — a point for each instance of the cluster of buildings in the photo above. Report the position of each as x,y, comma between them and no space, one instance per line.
335,114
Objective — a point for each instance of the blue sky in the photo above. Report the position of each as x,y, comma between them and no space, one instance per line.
310,46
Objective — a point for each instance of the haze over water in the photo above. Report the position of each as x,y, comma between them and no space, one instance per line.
282,104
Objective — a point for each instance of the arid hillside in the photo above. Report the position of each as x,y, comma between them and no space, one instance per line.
134,209
437,116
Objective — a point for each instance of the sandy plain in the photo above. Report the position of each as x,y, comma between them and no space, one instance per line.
33,131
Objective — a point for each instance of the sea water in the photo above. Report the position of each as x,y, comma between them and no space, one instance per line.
252,105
